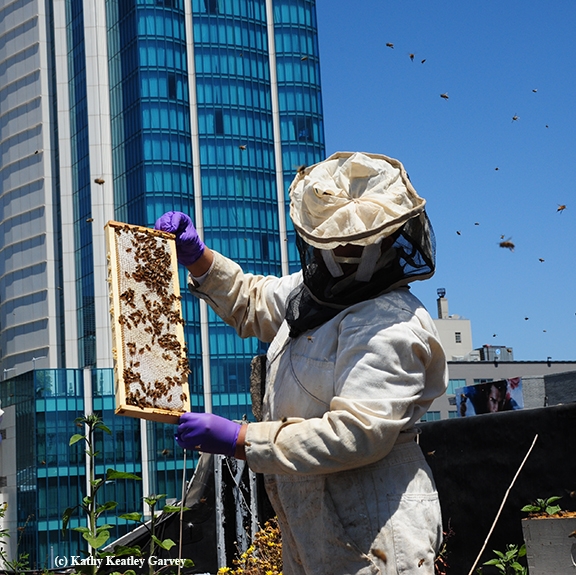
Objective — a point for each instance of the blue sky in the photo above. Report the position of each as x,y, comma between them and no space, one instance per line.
484,175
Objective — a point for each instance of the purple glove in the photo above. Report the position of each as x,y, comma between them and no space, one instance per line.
189,246
207,432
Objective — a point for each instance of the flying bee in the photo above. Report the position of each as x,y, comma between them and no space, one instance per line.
411,56
444,96
421,562
389,45
507,244
515,118
561,208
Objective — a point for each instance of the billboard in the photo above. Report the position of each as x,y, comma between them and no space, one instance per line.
490,397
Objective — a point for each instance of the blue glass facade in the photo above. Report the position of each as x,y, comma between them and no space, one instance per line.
51,474
299,94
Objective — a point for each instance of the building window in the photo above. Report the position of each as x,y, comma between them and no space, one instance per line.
431,416
454,384
211,6
458,337
264,244
303,129
172,86
476,381
218,122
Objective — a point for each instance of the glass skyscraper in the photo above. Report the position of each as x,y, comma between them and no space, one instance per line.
122,110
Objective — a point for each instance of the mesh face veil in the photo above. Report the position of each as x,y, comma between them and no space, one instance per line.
372,201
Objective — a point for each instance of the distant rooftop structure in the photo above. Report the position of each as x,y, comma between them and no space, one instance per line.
456,337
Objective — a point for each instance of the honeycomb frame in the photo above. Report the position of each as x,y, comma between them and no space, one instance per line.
149,350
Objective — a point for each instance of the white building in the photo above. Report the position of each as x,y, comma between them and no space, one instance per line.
468,366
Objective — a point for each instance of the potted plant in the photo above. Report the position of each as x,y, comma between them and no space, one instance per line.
550,538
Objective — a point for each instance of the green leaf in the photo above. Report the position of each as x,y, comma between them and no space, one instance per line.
106,506
134,516
174,509
522,551
167,544
68,512
121,550
97,541
81,529
102,427
552,509
112,474
152,500
76,438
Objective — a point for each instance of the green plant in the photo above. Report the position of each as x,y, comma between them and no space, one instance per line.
507,562
167,544
543,506
95,535
98,535
20,564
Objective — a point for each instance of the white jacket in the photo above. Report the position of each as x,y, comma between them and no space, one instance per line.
336,444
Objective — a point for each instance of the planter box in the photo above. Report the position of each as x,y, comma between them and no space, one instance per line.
549,547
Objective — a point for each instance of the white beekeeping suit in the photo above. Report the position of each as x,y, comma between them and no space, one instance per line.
354,362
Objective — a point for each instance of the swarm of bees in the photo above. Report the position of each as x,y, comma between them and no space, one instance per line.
151,357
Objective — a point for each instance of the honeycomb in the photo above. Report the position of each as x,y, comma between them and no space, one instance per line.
150,356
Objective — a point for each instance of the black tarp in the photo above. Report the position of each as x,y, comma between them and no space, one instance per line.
474,460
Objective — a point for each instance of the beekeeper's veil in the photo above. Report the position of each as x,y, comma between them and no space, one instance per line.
360,200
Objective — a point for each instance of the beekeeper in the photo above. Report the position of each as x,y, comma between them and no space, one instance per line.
353,364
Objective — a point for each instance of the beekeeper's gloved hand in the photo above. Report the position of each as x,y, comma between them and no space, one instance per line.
189,246
208,433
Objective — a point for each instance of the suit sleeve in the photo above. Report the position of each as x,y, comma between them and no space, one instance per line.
254,305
